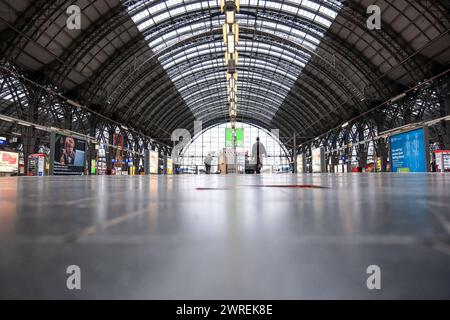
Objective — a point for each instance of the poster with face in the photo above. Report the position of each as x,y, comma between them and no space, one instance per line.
69,156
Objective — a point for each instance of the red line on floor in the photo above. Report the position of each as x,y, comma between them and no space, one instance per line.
291,186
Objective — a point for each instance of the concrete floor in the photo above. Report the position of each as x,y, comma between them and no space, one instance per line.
226,237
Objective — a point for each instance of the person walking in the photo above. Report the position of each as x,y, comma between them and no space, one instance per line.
258,151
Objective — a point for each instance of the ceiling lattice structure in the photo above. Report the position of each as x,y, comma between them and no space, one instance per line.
304,66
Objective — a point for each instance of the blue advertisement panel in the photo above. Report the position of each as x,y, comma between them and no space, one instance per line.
409,151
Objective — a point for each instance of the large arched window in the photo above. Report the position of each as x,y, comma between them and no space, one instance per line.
213,141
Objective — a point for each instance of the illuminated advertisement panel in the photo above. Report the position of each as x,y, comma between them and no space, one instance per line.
69,155
9,162
300,165
169,166
154,162
317,160
409,151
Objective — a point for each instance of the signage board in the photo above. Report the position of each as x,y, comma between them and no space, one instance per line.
409,151
69,155
301,163
93,166
3,141
318,160
154,161
9,162
41,166
239,137
169,166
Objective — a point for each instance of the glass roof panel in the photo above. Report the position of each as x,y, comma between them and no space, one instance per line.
173,24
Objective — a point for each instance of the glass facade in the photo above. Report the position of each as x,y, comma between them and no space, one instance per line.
212,141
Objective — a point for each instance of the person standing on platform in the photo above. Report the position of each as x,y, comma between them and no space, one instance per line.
208,161
258,151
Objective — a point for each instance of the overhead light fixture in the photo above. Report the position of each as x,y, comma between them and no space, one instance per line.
24,123
345,125
232,83
225,32
6,118
230,42
230,16
400,96
75,104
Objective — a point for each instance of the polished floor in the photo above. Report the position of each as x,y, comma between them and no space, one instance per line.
226,237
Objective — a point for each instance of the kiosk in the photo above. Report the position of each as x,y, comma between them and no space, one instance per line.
38,165
442,160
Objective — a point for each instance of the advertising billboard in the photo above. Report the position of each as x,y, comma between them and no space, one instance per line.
118,143
69,155
409,151
300,163
169,166
9,162
239,137
318,160
154,162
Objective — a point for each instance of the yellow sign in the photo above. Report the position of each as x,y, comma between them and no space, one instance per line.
169,166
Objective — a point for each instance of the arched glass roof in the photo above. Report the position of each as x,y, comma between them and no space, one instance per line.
306,66
267,71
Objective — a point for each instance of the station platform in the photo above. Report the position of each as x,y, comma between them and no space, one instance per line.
226,237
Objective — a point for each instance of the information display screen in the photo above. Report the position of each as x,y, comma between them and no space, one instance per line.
69,155
239,137
408,151
9,162
154,162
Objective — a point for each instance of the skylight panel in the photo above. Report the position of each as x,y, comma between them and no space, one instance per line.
272,64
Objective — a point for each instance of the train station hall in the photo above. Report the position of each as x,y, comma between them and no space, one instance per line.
224,150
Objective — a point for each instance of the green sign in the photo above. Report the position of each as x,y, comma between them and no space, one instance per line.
93,166
239,137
